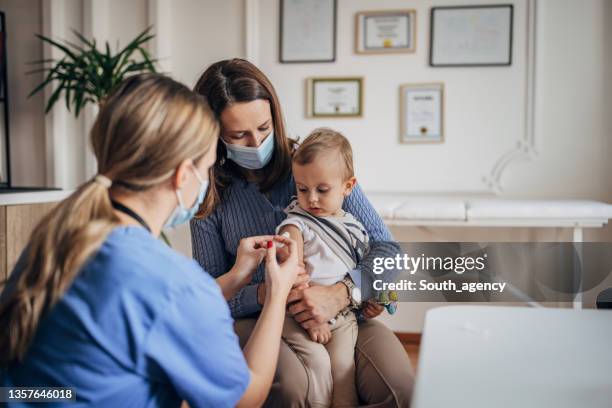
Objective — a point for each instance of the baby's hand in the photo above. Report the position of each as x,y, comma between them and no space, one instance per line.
321,334
371,309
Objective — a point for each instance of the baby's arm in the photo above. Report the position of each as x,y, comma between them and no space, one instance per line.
296,235
320,334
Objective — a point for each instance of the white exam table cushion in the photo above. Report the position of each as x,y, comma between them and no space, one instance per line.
487,209
398,206
386,204
429,208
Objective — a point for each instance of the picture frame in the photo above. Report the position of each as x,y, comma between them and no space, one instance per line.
385,31
307,31
471,36
338,97
422,113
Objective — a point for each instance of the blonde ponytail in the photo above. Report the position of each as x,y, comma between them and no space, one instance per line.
145,129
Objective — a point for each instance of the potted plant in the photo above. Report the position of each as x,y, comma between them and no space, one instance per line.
86,74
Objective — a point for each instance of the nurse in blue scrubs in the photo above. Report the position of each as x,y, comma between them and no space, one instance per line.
99,304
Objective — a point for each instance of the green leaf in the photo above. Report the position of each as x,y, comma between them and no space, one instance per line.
50,77
54,97
140,39
86,74
148,60
67,97
35,71
75,46
40,61
65,49
85,41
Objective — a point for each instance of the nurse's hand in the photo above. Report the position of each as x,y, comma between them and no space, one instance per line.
281,277
251,251
301,282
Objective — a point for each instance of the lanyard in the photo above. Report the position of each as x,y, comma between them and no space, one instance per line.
128,211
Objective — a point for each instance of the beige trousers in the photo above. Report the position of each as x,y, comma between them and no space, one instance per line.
331,367
383,374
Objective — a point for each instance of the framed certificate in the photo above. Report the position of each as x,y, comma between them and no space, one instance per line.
422,113
471,36
307,31
334,97
383,32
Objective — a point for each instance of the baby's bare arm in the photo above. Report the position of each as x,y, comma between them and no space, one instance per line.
296,235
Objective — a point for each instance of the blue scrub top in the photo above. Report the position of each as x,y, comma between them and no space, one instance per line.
141,326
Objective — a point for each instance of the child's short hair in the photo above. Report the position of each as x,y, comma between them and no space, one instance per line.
322,140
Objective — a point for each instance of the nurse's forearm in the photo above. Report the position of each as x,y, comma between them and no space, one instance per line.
262,349
230,284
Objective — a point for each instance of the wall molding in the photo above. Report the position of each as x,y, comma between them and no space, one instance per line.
159,16
525,148
53,23
251,31
96,17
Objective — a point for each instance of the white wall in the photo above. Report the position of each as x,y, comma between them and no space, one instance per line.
484,118
574,100
573,128
485,106
485,113
205,32
50,150
195,34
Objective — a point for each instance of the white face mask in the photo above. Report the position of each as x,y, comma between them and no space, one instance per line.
251,158
181,215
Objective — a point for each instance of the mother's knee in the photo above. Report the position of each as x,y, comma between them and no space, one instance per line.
290,385
384,372
288,393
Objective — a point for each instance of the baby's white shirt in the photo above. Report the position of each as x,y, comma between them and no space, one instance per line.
322,264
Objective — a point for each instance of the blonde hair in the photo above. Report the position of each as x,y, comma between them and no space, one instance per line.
325,140
144,130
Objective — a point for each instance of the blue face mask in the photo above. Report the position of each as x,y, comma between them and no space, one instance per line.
251,158
181,214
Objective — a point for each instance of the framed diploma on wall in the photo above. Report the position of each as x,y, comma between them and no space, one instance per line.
307,31
334,97
422,113
385,31
467,36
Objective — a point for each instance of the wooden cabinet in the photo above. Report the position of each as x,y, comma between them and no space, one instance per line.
16,225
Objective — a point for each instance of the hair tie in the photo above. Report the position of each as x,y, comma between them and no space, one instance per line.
102,179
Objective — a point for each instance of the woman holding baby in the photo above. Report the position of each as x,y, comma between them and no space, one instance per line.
255,175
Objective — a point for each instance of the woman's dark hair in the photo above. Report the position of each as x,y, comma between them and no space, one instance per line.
235,81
